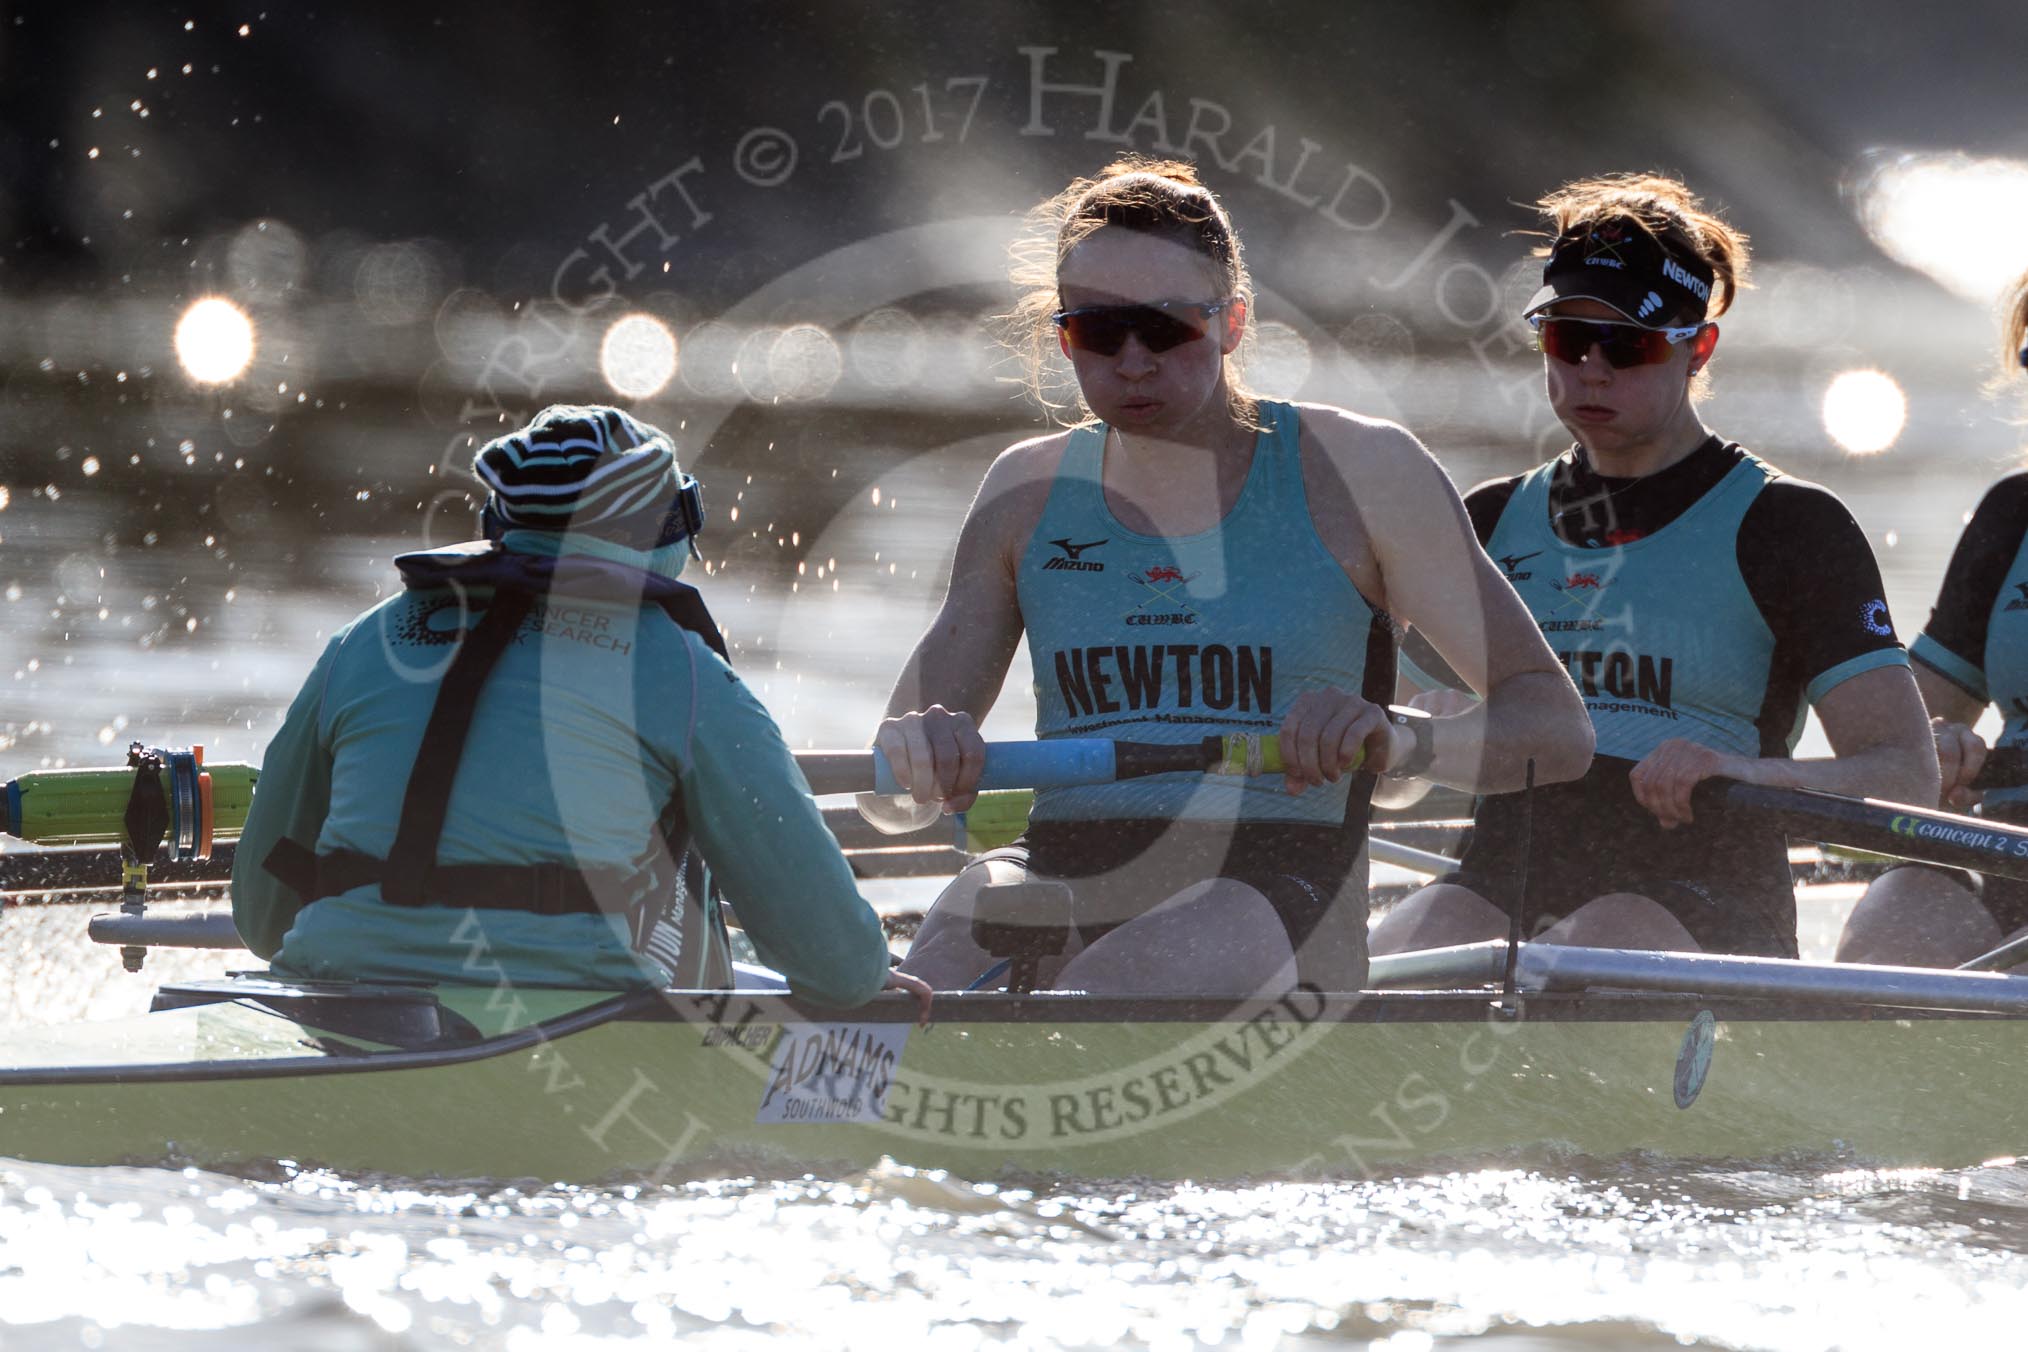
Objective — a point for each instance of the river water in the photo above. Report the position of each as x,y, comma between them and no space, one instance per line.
201,637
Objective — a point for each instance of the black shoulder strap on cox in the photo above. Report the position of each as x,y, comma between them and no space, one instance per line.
428,797
683,605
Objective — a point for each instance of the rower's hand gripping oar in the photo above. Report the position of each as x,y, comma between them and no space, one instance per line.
2005,767
1068,762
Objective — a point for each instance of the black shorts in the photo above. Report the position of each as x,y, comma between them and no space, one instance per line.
1118,870
1727,883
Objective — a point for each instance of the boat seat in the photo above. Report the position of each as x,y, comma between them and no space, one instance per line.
1024,923
408,1017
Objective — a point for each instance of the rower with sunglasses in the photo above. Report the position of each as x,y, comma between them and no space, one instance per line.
1191,559
1700,599
1972,653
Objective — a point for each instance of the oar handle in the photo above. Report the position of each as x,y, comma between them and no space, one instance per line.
1009,765
1057,763
1894,829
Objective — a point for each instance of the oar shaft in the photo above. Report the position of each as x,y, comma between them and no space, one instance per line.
1056,763
1009,765
1870,824
1427,862
2010,954
71,872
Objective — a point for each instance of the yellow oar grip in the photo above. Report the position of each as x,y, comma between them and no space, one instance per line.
1249,753
1260,753
996,818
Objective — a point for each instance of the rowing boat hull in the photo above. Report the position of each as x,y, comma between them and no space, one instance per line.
682,1085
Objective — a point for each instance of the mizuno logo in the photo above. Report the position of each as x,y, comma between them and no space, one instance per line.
1070,562
1509,562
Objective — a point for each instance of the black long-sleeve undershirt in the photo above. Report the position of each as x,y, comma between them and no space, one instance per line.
1805,561
1978,569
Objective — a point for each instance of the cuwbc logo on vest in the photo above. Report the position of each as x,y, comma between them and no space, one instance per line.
1581,587
1167,601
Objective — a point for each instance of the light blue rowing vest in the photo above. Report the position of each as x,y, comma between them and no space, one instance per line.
1171,639
1661,634
2004,678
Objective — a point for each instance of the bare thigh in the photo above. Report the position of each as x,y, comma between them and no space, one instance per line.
1217,937
1444,914
1917,917
1621,920
1437,916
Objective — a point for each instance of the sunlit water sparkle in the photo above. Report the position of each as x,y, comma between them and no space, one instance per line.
1630,1255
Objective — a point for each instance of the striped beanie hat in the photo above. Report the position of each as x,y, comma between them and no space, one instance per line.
581,467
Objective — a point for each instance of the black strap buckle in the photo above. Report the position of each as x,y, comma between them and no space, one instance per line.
690,508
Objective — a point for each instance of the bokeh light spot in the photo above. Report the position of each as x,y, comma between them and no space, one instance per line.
638,356
1943,215
888,348
1280,361
397,283
804,363
214,341
1864,411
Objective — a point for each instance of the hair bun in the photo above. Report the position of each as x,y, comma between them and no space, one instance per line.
1178,171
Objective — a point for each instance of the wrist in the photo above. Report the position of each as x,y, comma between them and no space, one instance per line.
1411,742
1753,769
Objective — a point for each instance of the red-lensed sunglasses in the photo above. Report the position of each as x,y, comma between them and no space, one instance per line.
1103,329
1624,345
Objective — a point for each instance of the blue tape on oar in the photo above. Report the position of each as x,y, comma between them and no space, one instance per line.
1029,765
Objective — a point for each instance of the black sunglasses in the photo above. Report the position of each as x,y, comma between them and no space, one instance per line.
1103,329
1624,345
